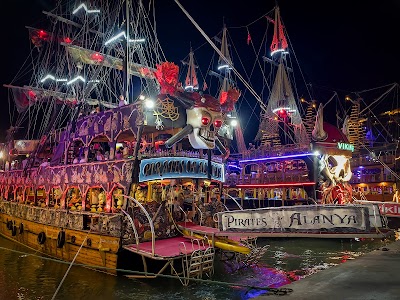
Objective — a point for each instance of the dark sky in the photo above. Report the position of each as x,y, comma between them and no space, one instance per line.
341,45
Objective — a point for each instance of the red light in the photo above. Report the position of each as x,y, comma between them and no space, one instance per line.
31,94
218,123
205,121
42,34
275,184
97,57
67,40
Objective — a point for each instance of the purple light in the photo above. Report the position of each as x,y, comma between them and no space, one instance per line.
361,167
234,166
276,157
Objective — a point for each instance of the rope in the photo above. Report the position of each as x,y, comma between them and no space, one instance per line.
69,268
276,291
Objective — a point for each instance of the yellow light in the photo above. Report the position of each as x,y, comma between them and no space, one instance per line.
347,98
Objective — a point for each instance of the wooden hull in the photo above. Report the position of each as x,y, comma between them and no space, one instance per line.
97,251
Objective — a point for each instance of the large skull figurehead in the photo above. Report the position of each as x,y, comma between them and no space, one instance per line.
338,168
206,119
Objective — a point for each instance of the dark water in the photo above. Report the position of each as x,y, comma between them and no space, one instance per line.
32,277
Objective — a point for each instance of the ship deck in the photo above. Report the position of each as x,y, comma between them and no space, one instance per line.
167,249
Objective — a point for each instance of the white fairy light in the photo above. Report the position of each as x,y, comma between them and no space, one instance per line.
75,79
48,76
89,11
122,34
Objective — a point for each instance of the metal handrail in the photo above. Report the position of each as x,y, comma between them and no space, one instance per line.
237,203
153,234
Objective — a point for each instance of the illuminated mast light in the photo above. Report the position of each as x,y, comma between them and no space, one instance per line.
89,11
75,79
48,77
123,34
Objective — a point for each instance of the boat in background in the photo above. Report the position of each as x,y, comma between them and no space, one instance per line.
294,181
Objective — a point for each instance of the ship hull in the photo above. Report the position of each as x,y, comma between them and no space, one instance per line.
97,251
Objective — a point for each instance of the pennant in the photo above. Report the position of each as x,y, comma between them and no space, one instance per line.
248,38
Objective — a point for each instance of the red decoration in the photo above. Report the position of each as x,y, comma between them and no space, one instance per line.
67,40
167,76
223,98
248,38
228,99
97,57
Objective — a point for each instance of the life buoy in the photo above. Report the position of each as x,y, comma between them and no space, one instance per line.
14,230
21,228
61,239
41,238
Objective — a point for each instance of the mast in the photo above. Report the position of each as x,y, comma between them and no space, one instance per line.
127,53
224,67
191,81
281,123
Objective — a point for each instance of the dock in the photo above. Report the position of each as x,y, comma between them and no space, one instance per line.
375,275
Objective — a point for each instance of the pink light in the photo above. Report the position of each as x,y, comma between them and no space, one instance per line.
276,157
275,184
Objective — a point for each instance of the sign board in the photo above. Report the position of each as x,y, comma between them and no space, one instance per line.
298,218
179,167
345,146
390,209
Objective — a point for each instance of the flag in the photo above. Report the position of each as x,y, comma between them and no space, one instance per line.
248,38
205,86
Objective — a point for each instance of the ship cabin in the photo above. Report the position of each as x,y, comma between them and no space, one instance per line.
99,163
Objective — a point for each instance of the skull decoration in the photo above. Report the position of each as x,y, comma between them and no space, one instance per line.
335,169
206,119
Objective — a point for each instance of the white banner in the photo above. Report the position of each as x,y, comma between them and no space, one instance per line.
310,217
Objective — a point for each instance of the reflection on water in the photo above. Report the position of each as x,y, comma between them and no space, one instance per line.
30,277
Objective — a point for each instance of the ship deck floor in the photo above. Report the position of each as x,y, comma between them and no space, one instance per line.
166,249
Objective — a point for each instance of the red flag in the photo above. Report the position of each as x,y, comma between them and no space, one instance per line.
205,86
248,38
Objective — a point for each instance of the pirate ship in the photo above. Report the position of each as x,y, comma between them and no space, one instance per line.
101,176
295,177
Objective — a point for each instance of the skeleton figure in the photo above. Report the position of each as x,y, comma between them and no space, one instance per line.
203,120
206,119
336,172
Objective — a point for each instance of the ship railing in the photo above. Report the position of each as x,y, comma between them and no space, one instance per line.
182,153
234,200
275,151
43,215
153,234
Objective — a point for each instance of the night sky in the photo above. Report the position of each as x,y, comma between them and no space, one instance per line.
341,45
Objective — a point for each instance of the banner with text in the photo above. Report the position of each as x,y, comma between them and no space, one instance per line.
298,218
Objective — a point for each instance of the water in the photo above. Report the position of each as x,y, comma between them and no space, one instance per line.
32,277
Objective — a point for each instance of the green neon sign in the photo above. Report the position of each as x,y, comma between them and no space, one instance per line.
345,146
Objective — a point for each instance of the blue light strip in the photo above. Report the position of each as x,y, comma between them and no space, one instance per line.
276,157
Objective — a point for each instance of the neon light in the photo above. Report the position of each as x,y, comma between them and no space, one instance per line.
276,157
115,37
223,67
345,146
288,109
53,78
75,79
234,166
276,51
89,11
48,77
137,40
122,33
275,184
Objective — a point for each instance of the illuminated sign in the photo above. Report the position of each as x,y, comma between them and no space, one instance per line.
292,219
179,167
345,146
